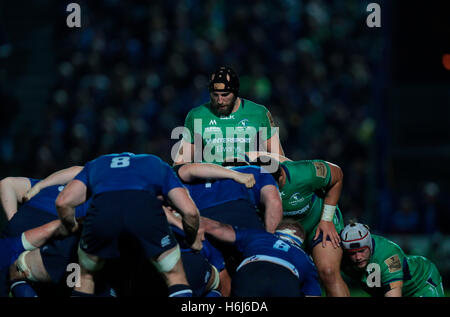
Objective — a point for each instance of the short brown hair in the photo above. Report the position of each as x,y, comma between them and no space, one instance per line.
292,224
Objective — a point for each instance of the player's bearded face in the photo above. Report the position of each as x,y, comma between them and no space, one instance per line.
222,102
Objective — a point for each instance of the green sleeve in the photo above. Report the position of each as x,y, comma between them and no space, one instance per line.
319,174
189,125
392,268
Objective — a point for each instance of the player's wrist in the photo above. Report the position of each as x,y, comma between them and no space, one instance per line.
328,212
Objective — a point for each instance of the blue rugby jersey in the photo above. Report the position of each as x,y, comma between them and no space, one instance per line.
45,200
259,245
209,194
128,171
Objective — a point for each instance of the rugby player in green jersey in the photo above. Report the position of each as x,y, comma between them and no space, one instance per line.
227,126
383,269
310,191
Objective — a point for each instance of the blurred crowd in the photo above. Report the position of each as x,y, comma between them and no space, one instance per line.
132,72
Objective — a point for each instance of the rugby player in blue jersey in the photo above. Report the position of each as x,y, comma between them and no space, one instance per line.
49,263
124,189
274,265
256,204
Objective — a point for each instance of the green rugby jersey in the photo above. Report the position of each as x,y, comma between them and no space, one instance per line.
417,272
228,136
305,181
303,195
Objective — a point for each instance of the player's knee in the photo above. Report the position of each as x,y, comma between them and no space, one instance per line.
168,262
23,267
328,273
88,263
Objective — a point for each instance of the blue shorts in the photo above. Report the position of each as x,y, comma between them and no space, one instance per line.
240,213
198,271
57,254
253,280
133,213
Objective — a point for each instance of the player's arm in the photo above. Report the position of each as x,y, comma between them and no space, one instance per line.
396,289
73,195
253,155
332,195
273,207
185,153
206,171
219,230
59,177
37,237
273,145
12,190
190,215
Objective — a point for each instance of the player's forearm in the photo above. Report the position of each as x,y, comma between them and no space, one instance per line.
253,155
221,231
67,216
205,171
39,236
191,224
395,292
60,177
273,215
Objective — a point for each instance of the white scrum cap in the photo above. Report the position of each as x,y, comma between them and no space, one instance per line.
356,236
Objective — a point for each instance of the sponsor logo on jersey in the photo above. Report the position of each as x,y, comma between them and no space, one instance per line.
165,241
212,122
212,129
230,117
297,212
393,263
321,169
60,188
295,199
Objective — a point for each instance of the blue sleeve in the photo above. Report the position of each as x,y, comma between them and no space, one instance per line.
82,175
311,285
33,181
169,180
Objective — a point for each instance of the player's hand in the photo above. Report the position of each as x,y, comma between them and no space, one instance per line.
328,230
198,243
244,178
33,191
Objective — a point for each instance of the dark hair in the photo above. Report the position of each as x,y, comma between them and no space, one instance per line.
266,161
235,162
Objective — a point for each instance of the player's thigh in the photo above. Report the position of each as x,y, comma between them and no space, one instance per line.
33,260
327,258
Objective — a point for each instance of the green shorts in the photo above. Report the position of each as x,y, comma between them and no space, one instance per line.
433,286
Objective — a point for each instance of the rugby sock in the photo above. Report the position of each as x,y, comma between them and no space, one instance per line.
180,290
20,288
214,293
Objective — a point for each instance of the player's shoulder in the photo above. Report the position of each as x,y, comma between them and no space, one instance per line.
253,106
386,251
203,109
384,242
